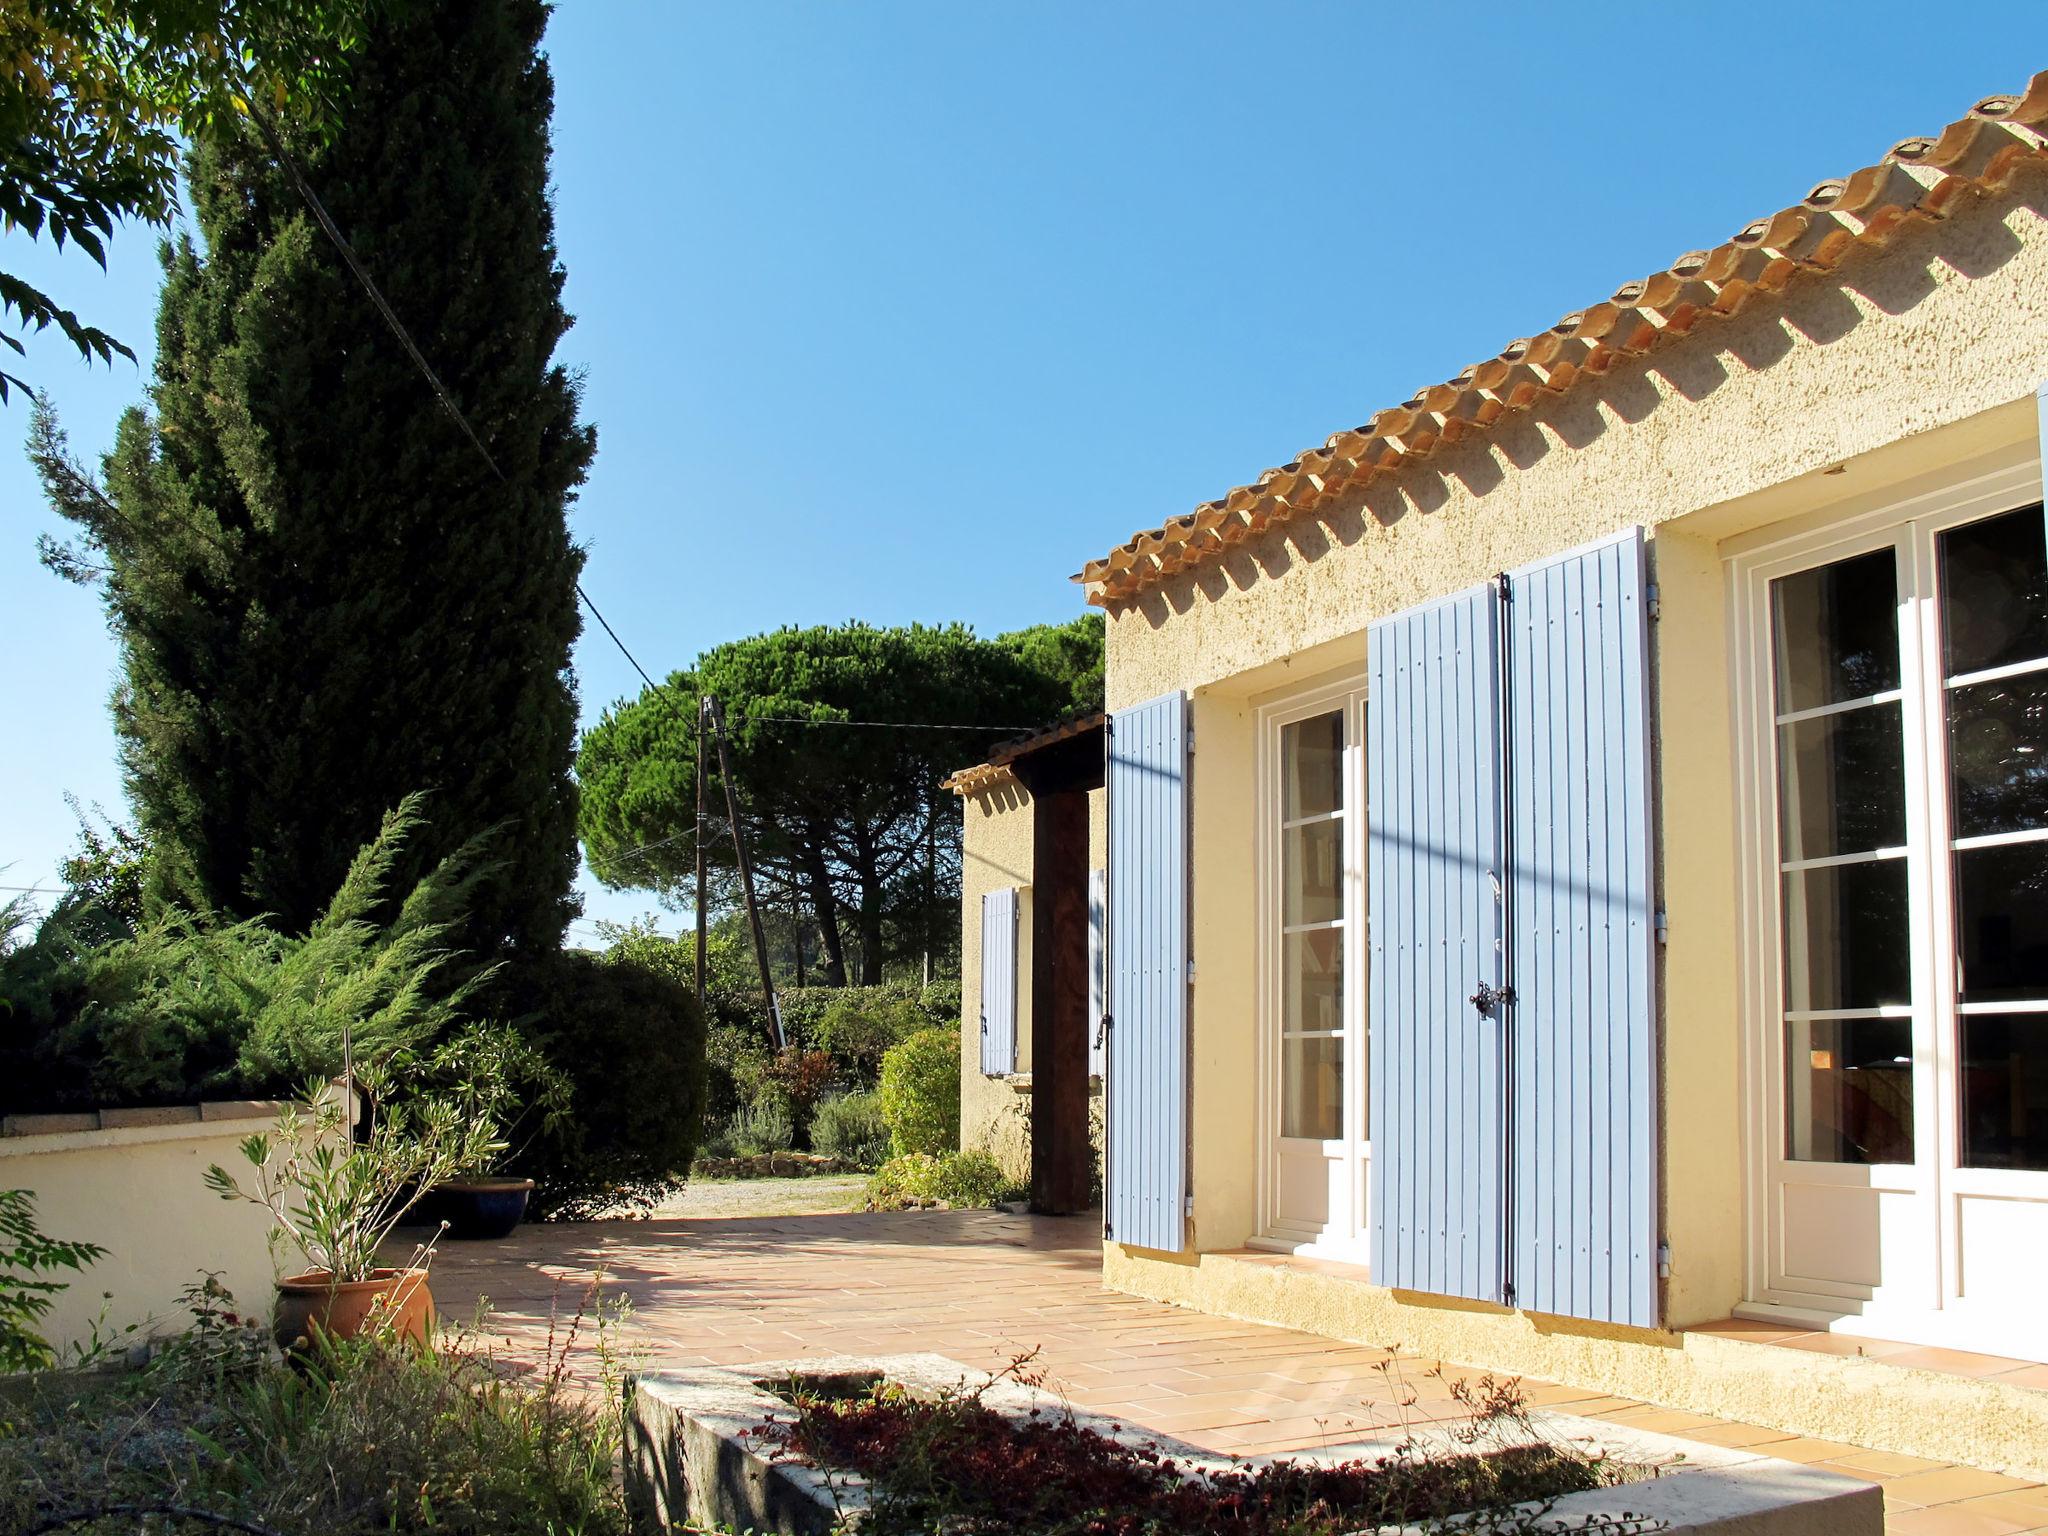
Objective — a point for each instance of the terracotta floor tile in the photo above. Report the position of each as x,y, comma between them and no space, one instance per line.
1952,1484
1662,1421
1750,1329
985,1288
1954,1362
2031,1501
1951,1520
1845,1344
1741,1437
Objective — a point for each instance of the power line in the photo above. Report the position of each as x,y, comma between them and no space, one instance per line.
275,145
880,725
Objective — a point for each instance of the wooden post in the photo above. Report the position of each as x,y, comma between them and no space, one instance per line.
1060,1026
739,844
702,944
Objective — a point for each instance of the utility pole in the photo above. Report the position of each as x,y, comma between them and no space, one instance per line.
739,844
796,929
931,873
703,704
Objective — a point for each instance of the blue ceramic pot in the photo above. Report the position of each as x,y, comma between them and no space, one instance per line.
481,1209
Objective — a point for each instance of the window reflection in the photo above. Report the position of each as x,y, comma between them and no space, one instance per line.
1849,1090
2005,1091
1837,632
1312,914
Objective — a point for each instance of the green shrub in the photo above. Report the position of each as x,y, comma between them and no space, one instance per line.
941,1001
860,1025
921,1092
762,1126
367,1438
963,1180
736,1058
850,1126
631,1044
186,1008
28,1261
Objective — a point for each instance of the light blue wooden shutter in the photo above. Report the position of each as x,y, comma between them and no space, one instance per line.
1146,1076
1433,819
1098,960
1582,935
999,982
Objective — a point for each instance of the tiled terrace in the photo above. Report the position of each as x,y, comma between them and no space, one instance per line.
984,1287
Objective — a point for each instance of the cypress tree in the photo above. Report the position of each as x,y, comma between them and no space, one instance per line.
325,598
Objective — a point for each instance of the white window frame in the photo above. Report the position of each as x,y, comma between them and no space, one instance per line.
1346,693
1917,1305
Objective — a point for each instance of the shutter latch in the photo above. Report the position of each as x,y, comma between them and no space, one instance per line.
1490,998
1102,1031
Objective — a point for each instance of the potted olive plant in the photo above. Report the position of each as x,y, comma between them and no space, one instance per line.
491,1076
335,1192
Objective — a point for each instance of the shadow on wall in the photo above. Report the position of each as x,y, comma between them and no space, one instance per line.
1973,242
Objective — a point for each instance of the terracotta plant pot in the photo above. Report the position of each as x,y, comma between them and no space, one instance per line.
347,1309
480,1208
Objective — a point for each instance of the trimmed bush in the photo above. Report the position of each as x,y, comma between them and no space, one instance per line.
859,1027
850,1126
630,1042
921,1093
963,1180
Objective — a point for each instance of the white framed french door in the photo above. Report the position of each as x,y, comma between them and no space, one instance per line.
1895,693
1312,958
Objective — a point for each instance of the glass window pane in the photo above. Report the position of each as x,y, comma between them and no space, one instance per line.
1849,1090
1312,873
1998,755
1312,1087
1835,631
1994,589
1846,937
2005,1090
1842,783
2002,922
1312,981
1312,766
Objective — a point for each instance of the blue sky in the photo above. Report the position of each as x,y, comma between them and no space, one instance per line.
901,311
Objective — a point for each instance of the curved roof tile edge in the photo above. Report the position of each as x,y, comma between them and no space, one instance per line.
1919,177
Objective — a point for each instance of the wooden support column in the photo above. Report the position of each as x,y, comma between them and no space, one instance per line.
1059,775
1060,1024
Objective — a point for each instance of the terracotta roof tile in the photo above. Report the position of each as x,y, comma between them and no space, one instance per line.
971,781
1919,178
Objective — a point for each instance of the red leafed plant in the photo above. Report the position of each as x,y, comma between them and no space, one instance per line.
951,1463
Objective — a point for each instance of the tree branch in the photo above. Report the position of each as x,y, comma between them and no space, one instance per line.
59,1521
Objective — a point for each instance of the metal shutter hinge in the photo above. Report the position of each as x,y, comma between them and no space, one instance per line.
1191,973
1663,926
1664,1261
1654,601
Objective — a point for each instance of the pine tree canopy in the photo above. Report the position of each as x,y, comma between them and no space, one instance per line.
846,822
325,599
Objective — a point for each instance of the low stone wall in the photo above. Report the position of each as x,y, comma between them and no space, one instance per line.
694,1458
771,1165
132,1180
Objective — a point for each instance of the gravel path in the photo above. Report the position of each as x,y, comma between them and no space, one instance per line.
726,1198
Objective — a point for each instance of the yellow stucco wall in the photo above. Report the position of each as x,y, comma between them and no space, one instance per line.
996,852
1919,363
138,1192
